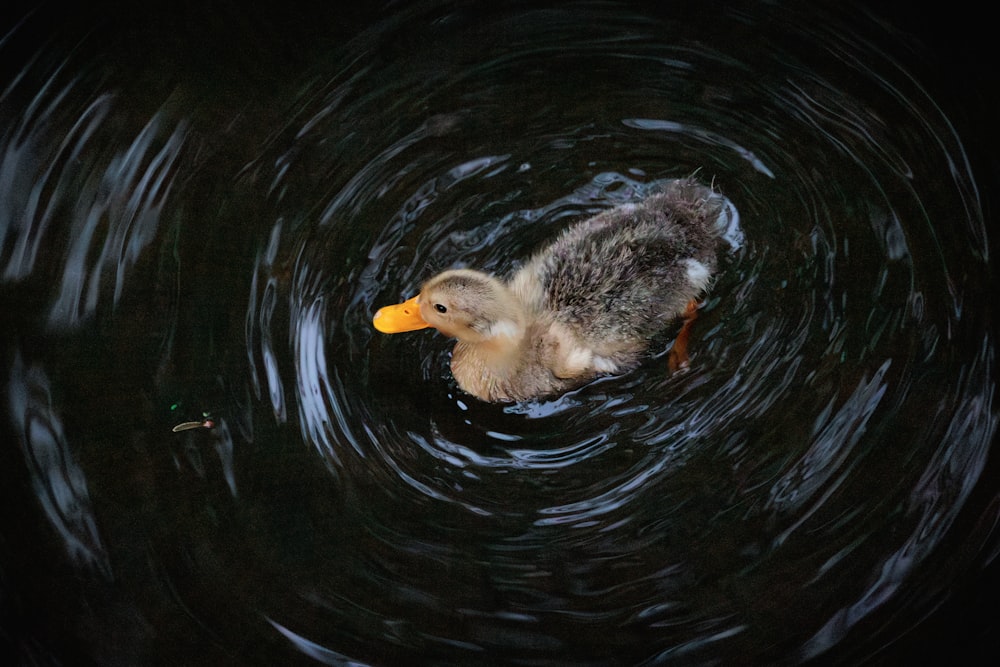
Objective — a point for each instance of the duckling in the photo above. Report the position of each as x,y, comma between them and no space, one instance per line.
584,306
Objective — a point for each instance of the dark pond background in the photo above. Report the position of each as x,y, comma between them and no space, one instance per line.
201,207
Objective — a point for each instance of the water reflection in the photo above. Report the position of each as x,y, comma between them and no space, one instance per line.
59,482
174,246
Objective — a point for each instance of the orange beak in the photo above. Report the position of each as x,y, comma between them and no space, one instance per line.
401,317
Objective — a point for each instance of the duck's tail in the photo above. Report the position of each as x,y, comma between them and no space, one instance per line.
694,195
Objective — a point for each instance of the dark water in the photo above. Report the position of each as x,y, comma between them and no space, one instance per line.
200,211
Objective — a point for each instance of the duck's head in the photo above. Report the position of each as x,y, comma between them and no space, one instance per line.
464,304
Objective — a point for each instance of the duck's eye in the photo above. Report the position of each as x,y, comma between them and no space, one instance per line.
440,307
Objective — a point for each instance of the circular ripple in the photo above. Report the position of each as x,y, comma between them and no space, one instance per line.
800,483
810,447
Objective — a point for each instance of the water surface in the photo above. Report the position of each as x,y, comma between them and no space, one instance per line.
199,214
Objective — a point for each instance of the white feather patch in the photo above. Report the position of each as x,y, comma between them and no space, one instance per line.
578,359
504,328
604,365
697,273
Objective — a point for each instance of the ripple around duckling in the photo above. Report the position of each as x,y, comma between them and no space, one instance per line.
813,340
799,483
819,332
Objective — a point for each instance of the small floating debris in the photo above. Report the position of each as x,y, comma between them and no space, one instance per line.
187,426
206,420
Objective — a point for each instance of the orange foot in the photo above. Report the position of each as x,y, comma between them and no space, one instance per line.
678,358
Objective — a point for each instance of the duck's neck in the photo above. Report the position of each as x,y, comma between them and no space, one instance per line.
487,367
502,348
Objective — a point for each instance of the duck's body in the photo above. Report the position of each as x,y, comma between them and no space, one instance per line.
586,305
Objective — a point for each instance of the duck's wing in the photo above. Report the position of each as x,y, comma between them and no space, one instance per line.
616,284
